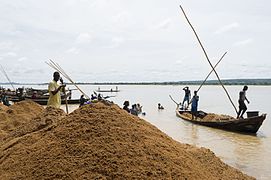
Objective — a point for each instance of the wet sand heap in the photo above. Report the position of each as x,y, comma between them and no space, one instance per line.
102,141
211,117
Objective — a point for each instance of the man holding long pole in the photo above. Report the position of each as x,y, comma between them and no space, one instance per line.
54,91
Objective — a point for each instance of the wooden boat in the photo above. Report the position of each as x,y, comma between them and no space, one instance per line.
44,101
108,90
246,125
111,90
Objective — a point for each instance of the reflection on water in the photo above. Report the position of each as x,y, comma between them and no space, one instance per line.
250,154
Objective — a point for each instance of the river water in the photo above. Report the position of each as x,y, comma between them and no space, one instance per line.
249,153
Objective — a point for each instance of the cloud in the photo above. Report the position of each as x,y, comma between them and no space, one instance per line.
243,43
116,42
227,28
179,62
121,17
164,24
9,54
7,45
83,38
73,50
22,59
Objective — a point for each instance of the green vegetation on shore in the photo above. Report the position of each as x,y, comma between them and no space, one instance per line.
195,82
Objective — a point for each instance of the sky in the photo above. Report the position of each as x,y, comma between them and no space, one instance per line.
134,41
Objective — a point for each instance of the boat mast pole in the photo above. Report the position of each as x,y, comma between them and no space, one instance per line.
211,71
205,53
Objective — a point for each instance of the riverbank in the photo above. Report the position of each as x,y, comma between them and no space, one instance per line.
97,141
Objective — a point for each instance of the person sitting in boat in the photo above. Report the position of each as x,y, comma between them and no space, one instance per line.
187,97
160,106
194,104
126,106
241,101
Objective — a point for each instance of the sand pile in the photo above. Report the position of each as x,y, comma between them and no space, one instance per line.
211,117
16,115
103,141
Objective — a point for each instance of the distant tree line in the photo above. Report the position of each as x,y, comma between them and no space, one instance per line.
209,82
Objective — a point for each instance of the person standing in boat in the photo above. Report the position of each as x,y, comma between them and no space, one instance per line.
187,96
54,91
241,101
194,104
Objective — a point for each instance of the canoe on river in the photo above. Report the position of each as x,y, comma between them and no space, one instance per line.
250,124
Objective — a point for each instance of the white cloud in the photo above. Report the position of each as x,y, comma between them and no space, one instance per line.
83,38
243,43
164,24
73,50
116,42
227,28
7,45
9,54
22,59
121,17
179,62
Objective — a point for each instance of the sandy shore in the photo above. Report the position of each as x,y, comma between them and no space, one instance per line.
97,141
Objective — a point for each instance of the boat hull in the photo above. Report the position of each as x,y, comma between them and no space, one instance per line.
246,125
44,101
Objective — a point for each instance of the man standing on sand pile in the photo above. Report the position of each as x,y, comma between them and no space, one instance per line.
54,91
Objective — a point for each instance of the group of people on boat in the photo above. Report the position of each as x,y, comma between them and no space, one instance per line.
195,99
187,101
135,110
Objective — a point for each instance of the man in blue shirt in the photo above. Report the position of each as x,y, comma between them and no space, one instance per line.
194,106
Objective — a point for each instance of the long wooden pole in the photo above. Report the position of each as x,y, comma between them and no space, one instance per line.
4,72
54,66
65,94
211,72
205,53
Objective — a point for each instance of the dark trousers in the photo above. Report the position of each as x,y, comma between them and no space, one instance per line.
242,108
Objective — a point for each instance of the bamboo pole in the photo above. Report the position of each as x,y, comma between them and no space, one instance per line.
66,101
211,71
205,53
57,67
5,73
